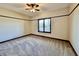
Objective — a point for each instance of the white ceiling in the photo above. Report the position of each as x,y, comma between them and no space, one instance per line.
44,7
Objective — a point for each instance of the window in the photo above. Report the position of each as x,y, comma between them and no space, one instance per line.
44,25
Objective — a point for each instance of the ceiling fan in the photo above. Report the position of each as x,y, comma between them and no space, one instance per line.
32,7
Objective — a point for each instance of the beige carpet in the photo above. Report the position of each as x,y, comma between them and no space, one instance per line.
36,46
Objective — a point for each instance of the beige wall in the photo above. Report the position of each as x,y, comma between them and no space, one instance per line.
59,25
74,28
12,28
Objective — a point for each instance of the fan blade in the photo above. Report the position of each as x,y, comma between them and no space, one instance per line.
37,9
28,4
37,5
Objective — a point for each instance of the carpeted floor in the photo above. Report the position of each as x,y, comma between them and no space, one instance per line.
36,46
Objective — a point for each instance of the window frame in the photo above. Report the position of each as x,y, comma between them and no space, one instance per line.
44,25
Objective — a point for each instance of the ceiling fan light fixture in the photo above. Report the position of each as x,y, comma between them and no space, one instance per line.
33,10
32,7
